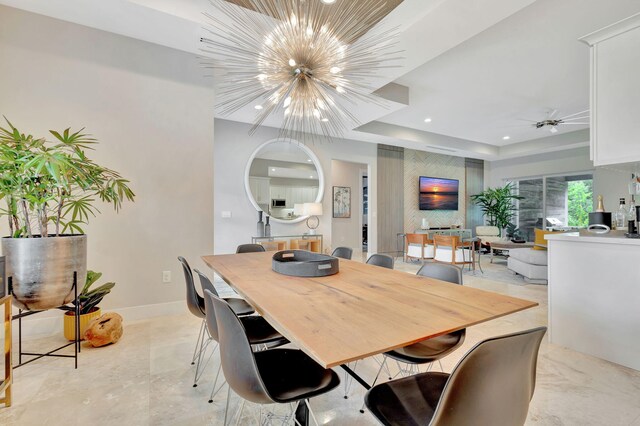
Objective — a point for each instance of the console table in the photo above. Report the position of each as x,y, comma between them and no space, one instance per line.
295,241
463,233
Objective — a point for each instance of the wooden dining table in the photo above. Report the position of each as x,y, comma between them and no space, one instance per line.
361,311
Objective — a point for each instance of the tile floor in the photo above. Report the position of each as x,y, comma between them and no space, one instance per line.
146,378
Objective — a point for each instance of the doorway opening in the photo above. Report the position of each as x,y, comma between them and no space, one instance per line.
349,206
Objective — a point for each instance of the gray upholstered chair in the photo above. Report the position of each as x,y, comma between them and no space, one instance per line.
343,252
383,260
266,377
491,385
250,248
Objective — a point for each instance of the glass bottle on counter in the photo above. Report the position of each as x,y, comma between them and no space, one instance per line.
621,215
631,216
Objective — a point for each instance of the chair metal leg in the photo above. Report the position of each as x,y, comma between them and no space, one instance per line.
348,380
294,408
200,367
196,351
313,416
226,407
214,391
240,410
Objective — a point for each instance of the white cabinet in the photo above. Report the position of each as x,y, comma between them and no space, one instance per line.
278,192
260,190
615,92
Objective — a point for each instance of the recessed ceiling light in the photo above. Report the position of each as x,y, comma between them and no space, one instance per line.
273,170
258,107
328,1
308,160
310,177
324,120
506,138
427,120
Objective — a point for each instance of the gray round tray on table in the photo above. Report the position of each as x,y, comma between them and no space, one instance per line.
301,263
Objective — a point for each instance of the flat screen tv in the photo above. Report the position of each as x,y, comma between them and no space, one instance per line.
438,193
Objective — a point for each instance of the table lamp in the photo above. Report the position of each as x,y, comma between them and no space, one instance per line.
313,210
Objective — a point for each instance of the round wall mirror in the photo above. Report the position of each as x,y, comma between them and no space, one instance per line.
281,176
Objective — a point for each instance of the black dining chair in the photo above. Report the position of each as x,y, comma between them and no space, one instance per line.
195,303
250,248
259,332
436,348
491,385
272,376
383,260
429,350
343,252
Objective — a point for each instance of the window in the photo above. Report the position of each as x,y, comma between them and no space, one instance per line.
553,202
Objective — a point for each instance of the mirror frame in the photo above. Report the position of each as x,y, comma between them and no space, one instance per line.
306,150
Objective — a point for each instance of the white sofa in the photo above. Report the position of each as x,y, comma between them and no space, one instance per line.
530,263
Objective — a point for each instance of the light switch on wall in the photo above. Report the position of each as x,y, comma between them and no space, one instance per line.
226,214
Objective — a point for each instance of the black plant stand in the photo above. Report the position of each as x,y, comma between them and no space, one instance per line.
52,353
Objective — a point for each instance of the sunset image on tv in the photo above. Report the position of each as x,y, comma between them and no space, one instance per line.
438,194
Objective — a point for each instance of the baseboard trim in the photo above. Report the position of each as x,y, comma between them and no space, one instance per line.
50,323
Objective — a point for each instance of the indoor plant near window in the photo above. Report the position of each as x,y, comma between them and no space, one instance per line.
88,301
498,205
50,188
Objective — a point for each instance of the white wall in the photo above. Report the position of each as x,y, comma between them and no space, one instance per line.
152,111
347,232
569,161
233,146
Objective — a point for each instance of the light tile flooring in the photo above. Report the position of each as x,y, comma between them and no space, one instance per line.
145,379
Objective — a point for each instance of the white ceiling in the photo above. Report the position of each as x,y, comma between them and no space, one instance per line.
519,69
476,67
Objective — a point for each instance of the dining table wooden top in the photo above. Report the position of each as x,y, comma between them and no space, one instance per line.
361,311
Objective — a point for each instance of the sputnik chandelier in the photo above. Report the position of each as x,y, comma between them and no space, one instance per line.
302,61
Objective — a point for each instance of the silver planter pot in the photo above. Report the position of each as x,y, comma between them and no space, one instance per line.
42,269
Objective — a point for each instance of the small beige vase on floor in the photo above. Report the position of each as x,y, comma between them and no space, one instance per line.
85,319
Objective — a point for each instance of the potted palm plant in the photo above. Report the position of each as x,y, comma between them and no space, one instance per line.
88,300
50,189
498,205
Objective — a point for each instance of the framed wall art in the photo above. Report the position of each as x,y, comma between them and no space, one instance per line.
342,202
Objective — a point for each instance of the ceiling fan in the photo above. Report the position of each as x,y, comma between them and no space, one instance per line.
552,121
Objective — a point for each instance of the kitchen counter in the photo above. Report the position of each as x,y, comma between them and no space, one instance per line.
613,237
594,295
